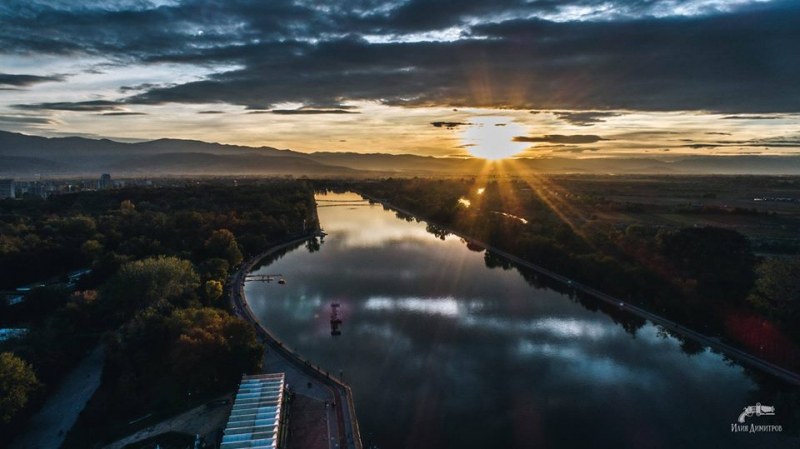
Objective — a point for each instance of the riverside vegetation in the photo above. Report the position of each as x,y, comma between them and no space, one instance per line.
160,260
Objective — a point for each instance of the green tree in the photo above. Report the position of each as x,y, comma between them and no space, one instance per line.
17,383
719,260
141,283
222,244
214,268
777,288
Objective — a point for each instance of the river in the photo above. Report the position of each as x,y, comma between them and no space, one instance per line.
443,348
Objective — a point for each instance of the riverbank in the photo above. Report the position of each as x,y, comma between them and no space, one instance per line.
300,373
730,351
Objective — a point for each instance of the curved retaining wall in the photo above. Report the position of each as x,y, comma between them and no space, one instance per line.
347,422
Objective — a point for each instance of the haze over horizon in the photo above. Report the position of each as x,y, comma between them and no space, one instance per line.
570,79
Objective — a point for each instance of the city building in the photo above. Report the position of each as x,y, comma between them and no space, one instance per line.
105,182
12,333
256,420
7,189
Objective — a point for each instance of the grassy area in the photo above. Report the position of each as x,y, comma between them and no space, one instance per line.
763,208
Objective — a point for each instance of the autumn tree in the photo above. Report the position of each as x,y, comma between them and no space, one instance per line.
212,289
222,244
17,383
159,360
214,348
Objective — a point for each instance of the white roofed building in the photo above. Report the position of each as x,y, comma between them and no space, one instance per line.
256,419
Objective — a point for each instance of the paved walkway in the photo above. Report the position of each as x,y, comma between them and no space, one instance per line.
300,373
308,424
48,428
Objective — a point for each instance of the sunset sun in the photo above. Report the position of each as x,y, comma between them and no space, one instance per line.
492,137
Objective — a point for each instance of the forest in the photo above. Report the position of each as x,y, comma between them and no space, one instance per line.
160,260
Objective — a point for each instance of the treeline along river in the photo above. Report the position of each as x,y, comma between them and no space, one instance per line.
445,346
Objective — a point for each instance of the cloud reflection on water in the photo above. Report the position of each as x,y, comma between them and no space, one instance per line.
430,334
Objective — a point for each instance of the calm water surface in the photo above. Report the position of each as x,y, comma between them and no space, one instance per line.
443,352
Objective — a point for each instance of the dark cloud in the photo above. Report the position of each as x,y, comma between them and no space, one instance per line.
25,119
704,145
577,65
311,111
574,150
449,125
752,117
741,153
8,79
210,112
122,113
139,87
83,106
585,118
778,142
643,135
504,53
557,138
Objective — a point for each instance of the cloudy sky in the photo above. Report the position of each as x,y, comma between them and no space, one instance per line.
439,77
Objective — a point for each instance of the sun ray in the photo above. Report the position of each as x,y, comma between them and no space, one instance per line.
554,197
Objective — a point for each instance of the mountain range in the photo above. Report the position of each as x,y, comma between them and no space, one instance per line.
24,155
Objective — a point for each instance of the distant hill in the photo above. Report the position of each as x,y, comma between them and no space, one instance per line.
208,163
398,163
16,164
22,155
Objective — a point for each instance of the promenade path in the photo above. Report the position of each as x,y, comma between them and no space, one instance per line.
48,428
302,375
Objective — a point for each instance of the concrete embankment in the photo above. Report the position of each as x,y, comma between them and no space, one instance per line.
733,352
346,432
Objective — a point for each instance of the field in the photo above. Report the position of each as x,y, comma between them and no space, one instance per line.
765,209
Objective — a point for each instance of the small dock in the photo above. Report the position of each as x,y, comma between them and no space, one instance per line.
265,278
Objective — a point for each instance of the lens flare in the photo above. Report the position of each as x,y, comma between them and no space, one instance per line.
492,137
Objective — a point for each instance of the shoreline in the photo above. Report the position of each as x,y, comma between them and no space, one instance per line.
737,354
346,418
